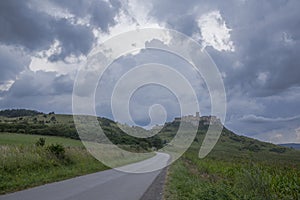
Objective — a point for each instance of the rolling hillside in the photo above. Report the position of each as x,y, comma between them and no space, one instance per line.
238,167
25,162
52,124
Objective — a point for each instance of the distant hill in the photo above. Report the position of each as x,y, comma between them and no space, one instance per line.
33,122
229,143
36,123
18,113
291,145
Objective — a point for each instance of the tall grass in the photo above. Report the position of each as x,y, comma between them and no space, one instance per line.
26,166
252,178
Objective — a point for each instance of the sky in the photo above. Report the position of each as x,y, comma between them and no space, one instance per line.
255,45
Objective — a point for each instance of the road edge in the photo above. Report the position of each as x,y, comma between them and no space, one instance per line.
156,190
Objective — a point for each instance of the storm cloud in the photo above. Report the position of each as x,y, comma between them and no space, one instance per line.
255,44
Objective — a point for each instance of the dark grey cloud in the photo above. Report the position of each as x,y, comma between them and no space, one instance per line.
261,77
259,34
103,14
43,90
40,83
23,25
268,128
26,30
63,84
12,62
74,40
258,31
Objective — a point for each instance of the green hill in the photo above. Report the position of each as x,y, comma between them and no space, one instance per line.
27,162
237,168
63,125
231,145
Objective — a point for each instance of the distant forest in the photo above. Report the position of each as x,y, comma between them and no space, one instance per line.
19,113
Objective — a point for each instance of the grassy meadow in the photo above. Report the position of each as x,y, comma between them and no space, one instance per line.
24,165
237,168
23,139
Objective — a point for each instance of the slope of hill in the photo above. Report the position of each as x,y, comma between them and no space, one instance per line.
237,168
229,141
27,162
63,125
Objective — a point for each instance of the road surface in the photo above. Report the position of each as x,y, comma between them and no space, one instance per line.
107,185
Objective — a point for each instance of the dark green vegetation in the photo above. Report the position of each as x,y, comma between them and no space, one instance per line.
18,113
31,153
39,148
36,123
25,164
237,168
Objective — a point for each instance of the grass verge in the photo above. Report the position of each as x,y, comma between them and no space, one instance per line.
24,165
254,177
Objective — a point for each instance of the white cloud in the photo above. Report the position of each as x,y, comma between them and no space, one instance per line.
6,85
139,11
214,32
40,61
60,67
254,118
55,48
50,8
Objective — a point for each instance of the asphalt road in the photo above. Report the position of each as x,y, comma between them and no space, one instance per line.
106,185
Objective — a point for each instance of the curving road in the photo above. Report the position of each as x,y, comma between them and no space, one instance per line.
106,185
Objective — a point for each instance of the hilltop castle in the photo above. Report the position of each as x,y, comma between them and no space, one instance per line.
196,119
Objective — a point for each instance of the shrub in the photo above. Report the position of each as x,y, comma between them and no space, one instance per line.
40,142
57,150
278,150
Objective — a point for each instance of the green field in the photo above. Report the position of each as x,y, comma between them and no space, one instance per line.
237,168
22,139
63,125
24,165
